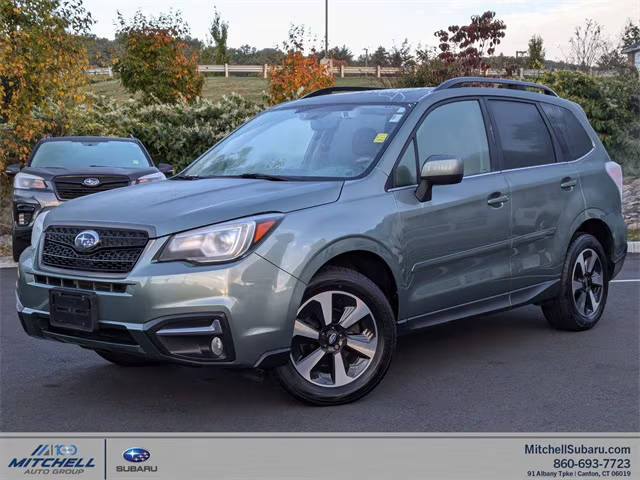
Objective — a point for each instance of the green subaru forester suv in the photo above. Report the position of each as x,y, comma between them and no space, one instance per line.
311,237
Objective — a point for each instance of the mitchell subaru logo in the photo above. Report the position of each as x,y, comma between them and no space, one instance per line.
86,240
91,182
136,455
53,458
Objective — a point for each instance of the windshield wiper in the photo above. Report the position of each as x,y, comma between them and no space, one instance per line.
263,176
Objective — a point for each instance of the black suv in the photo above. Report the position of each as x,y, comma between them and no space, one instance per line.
64,168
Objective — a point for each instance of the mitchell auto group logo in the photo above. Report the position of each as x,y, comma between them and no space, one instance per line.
53,458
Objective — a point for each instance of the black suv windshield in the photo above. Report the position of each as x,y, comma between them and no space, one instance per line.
327,141
79,154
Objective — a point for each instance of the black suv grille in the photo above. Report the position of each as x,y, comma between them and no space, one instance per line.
117,252
71,186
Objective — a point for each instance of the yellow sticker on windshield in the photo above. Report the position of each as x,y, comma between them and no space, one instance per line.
380,138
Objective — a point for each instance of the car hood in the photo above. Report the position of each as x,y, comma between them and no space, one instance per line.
175,205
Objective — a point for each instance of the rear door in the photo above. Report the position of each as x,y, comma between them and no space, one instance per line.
545,191
455,246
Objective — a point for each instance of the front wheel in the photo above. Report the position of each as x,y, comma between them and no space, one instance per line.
343,339
584,288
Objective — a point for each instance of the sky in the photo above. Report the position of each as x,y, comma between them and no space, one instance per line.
361,24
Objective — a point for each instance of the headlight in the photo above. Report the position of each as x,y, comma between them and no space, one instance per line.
152,177
26,180
218,243
38,225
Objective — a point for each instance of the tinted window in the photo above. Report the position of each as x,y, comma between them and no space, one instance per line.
523,134
573,139
306,141
74,154
406,172
456,129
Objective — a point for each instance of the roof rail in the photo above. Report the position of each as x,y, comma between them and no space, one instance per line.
515,84
330,90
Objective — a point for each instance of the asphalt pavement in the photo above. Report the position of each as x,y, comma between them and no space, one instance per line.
506,372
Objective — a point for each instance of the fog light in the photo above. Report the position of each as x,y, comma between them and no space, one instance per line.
21,219
216,346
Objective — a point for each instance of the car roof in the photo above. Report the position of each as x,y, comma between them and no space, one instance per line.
374,96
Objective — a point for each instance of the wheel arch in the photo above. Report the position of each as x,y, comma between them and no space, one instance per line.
364,255
593,222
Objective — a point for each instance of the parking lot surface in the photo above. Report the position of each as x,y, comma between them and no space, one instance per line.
506,372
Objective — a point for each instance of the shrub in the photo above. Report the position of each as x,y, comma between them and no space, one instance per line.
173,133
155,60
297,76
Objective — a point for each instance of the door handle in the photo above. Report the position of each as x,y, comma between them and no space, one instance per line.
497,199
568,183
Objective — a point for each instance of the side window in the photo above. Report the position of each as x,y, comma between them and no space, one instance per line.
457,129
406,172
575,142
523,134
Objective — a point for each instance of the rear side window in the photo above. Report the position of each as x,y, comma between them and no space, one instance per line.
523,134
573,139
456,129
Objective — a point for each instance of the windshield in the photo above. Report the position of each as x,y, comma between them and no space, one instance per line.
334,141
75,154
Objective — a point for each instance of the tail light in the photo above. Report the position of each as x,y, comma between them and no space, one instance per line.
615,172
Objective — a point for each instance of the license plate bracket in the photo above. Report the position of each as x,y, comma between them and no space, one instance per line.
75,310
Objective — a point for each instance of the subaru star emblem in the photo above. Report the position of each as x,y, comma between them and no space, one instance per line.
86,240
91,182
136,455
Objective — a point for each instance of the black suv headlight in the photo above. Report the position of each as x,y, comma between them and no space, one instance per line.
27,180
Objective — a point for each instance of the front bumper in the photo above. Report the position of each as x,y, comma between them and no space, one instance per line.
250,304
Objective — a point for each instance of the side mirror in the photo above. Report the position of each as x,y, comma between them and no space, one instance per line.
12,169
438,170
166,168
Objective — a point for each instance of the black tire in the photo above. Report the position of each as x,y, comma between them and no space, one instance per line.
123,359
564,312
346,283
18,245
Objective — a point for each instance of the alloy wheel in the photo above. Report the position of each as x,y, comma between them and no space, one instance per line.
587,282
334,339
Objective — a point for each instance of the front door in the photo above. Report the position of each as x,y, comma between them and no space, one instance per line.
455,246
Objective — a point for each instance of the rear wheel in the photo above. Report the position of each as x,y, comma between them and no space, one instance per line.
584,288
343,339
126,359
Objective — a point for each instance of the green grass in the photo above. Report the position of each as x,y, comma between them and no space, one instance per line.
633,235
214,88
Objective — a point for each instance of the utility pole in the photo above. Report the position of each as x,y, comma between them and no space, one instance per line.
326,28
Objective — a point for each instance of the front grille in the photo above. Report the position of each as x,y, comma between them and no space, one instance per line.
117,251
71,186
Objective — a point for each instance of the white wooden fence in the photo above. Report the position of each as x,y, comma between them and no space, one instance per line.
342,70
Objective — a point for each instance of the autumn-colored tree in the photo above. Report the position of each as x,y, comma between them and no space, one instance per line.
42,65
298,74
467,45
156,60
